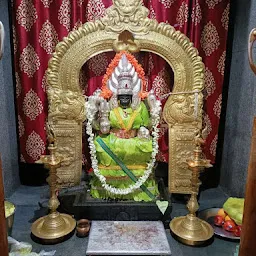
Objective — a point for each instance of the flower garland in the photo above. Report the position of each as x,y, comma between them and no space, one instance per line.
155,114
106,93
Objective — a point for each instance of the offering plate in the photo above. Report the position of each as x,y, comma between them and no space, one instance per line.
208,215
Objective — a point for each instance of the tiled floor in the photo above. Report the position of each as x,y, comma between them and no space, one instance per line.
27,198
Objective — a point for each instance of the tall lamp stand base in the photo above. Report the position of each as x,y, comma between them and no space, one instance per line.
191,230
53,228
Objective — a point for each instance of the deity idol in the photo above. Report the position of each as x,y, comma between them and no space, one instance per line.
123,133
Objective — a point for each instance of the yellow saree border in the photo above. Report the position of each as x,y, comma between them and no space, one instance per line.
116,167
121,122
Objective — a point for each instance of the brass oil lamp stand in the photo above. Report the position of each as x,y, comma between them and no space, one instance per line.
55,226
190,229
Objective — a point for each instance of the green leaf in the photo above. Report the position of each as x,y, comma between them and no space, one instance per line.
162,206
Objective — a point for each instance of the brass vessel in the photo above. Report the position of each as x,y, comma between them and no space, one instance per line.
190,229
55,226
9,218
83,228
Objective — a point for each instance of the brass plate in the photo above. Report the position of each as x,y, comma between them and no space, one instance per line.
189,236
56,233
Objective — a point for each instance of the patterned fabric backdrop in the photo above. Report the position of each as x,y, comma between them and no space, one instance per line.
40,24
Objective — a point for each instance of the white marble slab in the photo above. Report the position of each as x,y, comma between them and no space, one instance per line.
127,238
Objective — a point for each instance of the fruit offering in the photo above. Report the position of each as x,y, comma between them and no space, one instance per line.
234,207
229,225
218,220
9,209
237,231
222,219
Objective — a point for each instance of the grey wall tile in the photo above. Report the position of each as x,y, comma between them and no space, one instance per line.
8,137
245,16
239,119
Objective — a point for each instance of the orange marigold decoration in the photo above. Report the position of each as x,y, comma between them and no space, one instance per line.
106,92
143,95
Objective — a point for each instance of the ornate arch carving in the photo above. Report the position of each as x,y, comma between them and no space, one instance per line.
66,102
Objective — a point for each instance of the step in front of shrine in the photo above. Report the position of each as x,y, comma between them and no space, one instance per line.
83,206
128,238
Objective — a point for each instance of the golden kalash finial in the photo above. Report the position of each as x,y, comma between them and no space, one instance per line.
55,226
189,229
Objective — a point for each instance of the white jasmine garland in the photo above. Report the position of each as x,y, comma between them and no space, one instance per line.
155,115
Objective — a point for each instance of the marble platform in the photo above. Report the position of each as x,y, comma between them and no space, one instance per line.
128,238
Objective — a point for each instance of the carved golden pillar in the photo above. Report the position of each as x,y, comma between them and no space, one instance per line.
183,114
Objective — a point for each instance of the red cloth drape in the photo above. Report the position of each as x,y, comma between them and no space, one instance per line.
40,24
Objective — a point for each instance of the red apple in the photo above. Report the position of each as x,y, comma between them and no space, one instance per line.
218,220
237,231
229,225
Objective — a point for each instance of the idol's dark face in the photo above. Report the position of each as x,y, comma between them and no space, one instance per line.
124,100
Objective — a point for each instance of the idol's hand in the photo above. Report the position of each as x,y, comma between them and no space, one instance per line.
94,102
105,127
154,105
151,100
104,117
143,133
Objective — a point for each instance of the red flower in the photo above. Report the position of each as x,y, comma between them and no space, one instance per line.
90,170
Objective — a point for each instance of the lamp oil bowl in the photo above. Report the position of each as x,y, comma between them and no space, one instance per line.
9,216
83,228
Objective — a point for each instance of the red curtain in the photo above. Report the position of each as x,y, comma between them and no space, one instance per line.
40,24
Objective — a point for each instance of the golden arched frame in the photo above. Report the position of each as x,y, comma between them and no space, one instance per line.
67,104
